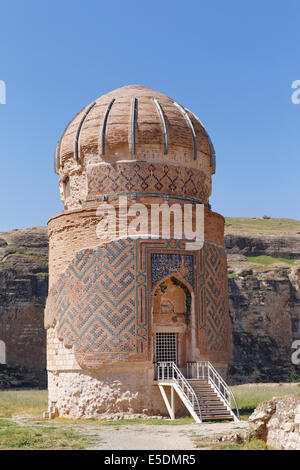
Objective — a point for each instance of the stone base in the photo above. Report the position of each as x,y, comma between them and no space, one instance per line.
115,391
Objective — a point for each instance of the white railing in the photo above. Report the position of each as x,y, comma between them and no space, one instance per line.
168,372
204,370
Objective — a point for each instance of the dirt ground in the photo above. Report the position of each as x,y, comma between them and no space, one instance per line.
165,437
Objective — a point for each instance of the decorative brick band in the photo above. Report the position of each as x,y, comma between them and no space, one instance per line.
147,178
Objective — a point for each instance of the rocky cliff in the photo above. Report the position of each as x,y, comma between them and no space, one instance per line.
264,287
23,291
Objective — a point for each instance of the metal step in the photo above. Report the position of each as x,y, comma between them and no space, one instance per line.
216,413
210,402
217,418
198,380
212,407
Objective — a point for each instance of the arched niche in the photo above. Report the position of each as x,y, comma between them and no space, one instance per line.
173,313
172,297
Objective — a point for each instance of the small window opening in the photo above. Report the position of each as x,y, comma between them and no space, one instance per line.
67,188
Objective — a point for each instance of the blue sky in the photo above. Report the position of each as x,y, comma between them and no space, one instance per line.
232,63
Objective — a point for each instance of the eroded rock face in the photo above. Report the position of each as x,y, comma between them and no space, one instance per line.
20,378
277,422
295,278
278,246
23,292
264,306
265,313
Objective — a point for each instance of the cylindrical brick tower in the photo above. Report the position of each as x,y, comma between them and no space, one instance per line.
118,304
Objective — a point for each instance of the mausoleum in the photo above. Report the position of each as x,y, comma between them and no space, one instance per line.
126,317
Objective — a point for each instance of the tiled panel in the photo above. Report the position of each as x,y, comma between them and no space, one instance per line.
145,177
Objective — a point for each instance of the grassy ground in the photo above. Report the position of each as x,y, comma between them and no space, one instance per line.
268,226
25,402
249,396
22,426
269,260
253,444
39,437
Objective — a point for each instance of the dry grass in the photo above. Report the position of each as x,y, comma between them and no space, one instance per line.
21,426
265,226
40,436
270,261
25,402
253,444
249,396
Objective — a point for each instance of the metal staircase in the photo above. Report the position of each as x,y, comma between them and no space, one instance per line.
168,374
204,393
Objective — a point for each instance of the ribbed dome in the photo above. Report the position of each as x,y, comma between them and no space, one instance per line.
138,121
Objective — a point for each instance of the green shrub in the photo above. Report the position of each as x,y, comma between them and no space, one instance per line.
294,377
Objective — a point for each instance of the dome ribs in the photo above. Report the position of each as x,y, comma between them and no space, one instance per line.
187,118
103,131
79,129
133,123
162,118
212,153
58,147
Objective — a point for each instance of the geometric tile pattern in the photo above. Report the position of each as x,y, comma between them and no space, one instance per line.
145,249
216,298
204,270
147,178
164,264
155,260
102,301
94,304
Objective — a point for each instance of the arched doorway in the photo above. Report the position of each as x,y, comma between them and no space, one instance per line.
2,352
172,312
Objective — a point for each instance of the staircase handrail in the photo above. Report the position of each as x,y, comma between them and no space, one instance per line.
181,382
216,381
